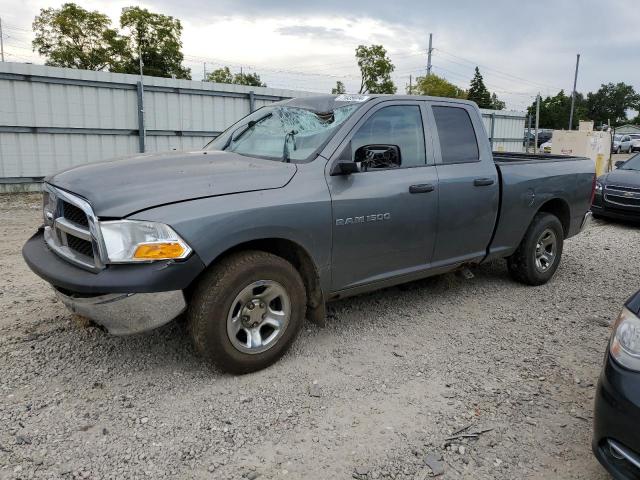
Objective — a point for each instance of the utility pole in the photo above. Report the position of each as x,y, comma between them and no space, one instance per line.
410,85
204,71
573,93
429,54
535,145
141,129
529,133
1,42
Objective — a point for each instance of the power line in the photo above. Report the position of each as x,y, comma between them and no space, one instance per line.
485,67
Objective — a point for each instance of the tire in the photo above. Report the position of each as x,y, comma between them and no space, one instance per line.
232,299
532,265
617,150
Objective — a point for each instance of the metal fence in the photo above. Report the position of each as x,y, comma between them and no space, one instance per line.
55,118
505,129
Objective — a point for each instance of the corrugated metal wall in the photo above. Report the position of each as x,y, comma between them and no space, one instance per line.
508,129
55,118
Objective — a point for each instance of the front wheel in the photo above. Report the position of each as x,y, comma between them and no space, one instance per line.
246,311
538,255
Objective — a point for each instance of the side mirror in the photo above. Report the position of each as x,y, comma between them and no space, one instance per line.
344,165
378,156
619,163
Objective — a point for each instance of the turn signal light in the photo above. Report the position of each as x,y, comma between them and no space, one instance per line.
156,251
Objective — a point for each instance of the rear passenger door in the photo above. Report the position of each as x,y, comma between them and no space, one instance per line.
468,184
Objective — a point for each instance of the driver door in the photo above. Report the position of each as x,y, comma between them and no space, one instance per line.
384,217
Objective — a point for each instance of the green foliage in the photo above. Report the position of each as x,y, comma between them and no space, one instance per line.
157,37
77,38
73,37
220,75
375,69
611,102
478,91
555,111
250,79
224,75
496,103
436,86
339,88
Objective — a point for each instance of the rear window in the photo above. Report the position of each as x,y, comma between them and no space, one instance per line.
458,142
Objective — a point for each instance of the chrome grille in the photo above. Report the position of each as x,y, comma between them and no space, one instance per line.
621,195
74,214
71,229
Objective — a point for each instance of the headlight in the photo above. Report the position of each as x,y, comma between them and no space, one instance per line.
138,241
625,341
598,187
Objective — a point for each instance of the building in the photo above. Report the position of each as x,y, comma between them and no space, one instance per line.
628,128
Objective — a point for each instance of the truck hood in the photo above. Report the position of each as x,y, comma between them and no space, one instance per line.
121,187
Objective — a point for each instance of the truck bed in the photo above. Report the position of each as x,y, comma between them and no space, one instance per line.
515,157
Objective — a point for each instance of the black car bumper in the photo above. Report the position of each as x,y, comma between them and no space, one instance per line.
616,433
134,278
601,208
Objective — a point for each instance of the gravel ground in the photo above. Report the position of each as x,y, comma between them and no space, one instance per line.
375,394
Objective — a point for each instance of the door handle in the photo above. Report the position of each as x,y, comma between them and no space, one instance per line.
421,188
483,182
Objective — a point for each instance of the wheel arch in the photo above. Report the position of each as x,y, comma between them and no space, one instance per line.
559,208
292,252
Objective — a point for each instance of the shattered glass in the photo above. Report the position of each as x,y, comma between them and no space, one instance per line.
302,130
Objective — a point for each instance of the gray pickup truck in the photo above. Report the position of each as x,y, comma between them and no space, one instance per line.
301,202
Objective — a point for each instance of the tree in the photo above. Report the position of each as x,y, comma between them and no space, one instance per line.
73,37
339,88
611,102
375,69
157,37
496,103
224,75
436,86
250,79
220,75
478,91
555,111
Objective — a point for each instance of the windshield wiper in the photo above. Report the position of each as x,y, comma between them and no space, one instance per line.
247,127
285,149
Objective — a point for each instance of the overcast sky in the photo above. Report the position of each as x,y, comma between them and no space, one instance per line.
521,47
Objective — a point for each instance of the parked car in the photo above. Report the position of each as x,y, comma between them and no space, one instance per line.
546,147
616,436
618,192
635,142
543,136
301,202
621,143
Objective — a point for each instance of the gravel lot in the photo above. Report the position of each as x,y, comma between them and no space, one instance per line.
375,393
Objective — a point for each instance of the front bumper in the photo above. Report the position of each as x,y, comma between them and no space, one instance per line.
123,298
127,313
601,208
616,437
162,276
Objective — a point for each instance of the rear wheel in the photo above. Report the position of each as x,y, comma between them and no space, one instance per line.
538,255
246,311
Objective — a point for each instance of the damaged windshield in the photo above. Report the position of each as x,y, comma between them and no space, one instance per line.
281,132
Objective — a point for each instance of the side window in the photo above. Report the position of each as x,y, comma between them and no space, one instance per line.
399,125
458,142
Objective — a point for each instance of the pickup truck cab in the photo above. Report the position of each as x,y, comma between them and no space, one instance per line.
299,203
